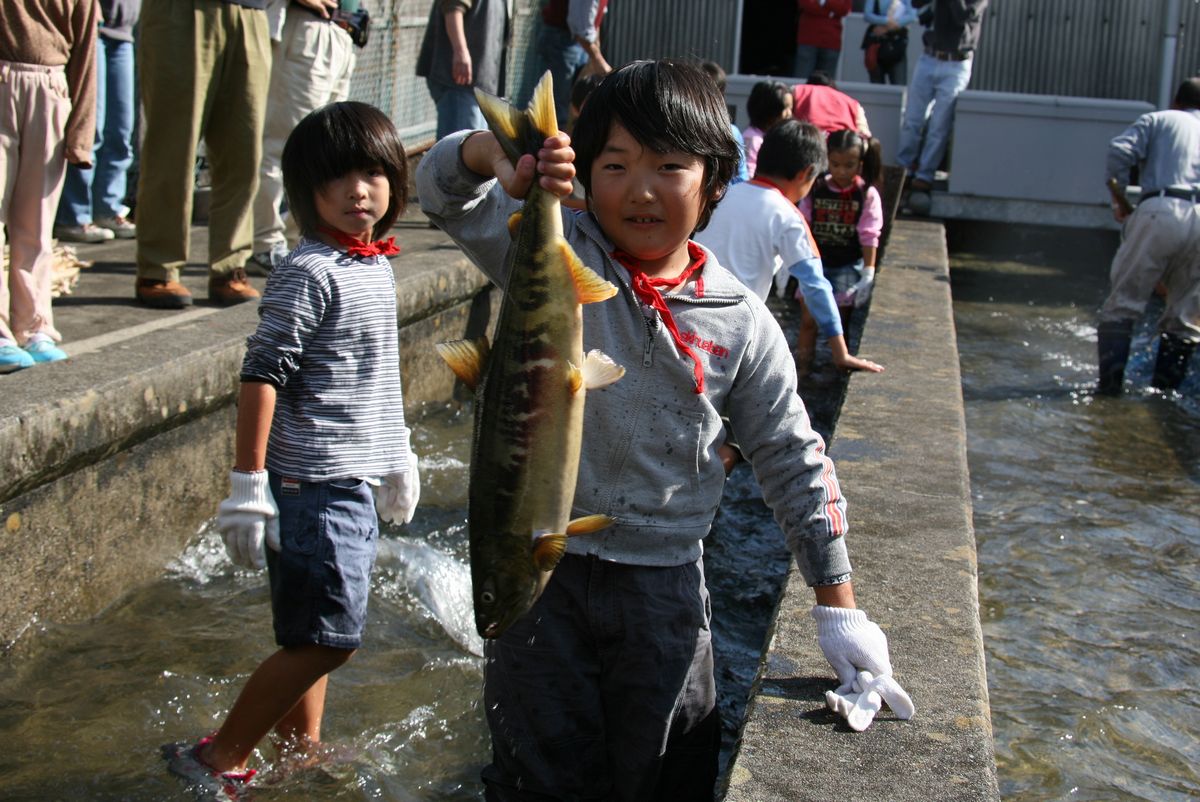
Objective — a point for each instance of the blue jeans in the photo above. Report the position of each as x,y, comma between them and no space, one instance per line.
100,190
564,57
932,93
809,59
456,108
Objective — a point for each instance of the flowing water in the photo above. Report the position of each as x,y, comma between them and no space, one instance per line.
83,715
1087,518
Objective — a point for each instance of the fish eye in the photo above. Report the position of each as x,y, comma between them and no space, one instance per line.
487,597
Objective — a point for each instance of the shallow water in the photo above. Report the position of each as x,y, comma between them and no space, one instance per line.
1087,518
83,715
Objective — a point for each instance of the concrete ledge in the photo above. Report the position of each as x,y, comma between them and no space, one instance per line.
110,461
900,449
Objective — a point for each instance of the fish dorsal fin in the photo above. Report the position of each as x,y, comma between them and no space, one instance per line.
574,377
466,358
514,224
590,286
541,107
588,524
599,370
548,550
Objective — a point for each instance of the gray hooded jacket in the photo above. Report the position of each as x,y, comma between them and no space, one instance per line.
650,441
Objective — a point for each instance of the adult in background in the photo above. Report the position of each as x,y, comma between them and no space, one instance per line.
204,67
566,42
1161,241
47,120
821,103
312,60
885,44
92,208
942,73
463,50
819,36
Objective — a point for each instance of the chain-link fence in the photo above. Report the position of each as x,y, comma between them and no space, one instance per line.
386,72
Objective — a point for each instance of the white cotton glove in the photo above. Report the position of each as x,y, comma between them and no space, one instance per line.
866,697
248,518
862,290
851,643
397,494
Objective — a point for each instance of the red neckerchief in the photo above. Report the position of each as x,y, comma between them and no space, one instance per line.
759,181
848,191
357,247
646,288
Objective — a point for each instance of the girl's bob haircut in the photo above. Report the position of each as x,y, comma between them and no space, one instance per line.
666,106
332,141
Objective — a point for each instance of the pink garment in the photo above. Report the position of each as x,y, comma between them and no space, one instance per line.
829,109
753,138
870,223
34,106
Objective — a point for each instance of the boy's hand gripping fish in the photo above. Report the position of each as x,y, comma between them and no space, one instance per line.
530,387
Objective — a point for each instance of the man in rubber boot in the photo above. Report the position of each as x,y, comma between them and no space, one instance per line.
1160,241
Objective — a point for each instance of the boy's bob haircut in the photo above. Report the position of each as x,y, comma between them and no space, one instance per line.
767,102
664,105
791,147
330,142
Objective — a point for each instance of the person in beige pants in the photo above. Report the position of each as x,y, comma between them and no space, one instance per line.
312,60
47,118
204,67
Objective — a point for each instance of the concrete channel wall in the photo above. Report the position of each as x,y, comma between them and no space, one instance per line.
110,463
900,451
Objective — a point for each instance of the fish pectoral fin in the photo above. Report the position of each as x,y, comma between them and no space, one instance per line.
599,370
466,358
588,524
514,224
548,550
574,378
590,286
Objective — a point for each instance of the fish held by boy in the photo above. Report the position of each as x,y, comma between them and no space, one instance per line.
530,386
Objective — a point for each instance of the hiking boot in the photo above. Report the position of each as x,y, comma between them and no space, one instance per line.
1171,365
183,760
88,232
13,358
158,294
263,262
42,349
231,288
119,226
1112,346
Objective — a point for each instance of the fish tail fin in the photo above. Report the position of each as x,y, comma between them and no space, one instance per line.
520,132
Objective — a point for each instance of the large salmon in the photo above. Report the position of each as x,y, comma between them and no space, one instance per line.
530,386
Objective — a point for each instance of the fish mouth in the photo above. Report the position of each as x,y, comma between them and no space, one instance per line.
492,631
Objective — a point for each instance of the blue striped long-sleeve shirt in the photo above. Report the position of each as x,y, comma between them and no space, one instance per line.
327,340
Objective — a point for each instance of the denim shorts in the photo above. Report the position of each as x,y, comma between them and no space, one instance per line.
843,277
320,578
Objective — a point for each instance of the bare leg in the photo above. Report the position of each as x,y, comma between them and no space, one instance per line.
806,342
300,730
278,690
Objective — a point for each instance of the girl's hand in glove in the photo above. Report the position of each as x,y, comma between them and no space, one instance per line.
397,494
248,518
862,290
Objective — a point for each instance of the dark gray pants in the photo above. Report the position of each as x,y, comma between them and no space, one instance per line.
605,690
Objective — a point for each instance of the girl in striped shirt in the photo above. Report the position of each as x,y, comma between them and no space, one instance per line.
322,448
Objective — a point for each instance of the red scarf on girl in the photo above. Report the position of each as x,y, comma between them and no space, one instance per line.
646,288
357,247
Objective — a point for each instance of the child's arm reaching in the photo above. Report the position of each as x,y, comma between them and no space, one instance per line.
817,294
554,165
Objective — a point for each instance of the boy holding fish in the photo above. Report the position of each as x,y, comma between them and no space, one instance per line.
605,688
